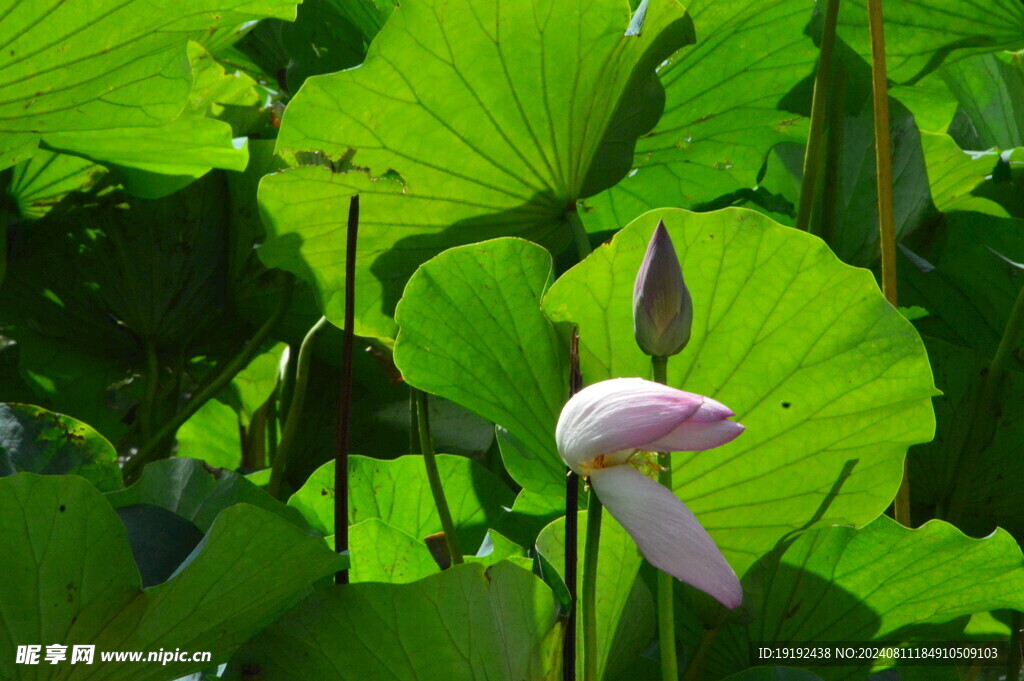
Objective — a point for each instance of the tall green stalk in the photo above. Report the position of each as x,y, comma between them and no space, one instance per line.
589,600
886,214
666,611
813,155
291,424
434,477
1013,660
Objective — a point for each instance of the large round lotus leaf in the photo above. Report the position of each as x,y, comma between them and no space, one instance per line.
496,117
831,382
472,332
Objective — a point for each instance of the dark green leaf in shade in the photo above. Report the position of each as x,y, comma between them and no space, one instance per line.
197,492
465,624
71,578
35,440
160,540
969,474
966,287
990,91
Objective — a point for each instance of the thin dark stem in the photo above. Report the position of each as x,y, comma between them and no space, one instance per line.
589,601
813,154
239,362
341,442
147,417
572,492
434,478
886,215
826,217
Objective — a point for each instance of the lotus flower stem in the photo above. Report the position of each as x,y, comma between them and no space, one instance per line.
434,477
572,492
345,398
666,611
589,601
886,215
813,153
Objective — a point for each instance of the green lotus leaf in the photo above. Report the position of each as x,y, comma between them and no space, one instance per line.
72,580
35,440
990,91
41,182
969,474
212,434
472,331
918,35
464,624
883,582
197,492
722,110
70,67
397,491
967,288
831,382
495,122
380,552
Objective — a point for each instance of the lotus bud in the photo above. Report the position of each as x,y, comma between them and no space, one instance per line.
662,307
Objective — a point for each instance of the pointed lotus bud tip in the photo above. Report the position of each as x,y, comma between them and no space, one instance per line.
662,308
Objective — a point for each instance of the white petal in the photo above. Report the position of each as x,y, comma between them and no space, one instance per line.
621,414
667,532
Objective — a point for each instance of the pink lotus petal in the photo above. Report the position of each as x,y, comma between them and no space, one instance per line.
668,534
708,427
617,416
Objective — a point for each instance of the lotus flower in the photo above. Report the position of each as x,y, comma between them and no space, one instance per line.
662,307
598,432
